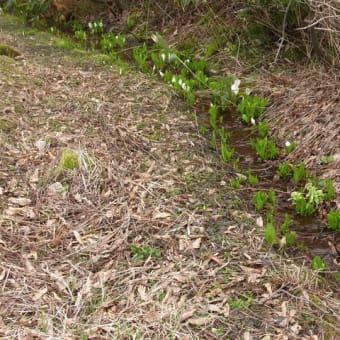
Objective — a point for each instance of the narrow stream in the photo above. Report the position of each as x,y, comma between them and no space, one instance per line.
311,231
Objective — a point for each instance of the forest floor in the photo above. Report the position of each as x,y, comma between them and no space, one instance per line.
141,237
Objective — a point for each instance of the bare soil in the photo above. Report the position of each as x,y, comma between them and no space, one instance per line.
69,262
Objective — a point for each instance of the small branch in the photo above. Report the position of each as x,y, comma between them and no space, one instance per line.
283,36
316,22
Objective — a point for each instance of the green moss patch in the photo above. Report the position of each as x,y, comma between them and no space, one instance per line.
8,51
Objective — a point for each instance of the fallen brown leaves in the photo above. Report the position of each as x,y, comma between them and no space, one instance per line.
66,268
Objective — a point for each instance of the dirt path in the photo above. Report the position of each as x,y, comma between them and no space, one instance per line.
141,239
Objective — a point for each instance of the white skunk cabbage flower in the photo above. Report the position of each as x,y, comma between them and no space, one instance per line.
287,144
252,121
235,87
172,57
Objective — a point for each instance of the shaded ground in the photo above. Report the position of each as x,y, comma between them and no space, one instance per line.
74,248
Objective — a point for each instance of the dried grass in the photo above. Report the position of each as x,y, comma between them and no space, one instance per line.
324,22
305,110
66,269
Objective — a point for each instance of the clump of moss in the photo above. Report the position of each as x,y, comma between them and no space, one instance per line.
8,51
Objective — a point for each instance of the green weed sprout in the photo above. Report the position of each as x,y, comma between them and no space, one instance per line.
265,148
252,179
299,173
251,107
307,200
80,35
318,263
213,115
272,197
286,224
140,54
289,236
109,42
333,219
143,253
262,129
327,159
69,161
328,189
260,199
270,234
226,151
224,91
284,171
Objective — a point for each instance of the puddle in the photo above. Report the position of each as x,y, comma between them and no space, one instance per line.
311,231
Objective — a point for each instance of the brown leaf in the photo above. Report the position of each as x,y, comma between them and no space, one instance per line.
188,314
40,294
160,215
199,321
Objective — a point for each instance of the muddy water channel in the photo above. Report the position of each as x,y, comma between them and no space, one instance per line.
312,233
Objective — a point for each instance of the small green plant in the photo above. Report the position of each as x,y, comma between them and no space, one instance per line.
236,182
213,115
242,303
252,179
285,170
333,219
299,173
140,54
80,35
327,159
161,296
226,152
318,263
260,199
251,107
307,200
265,148
69,160
272,197
270,234
328,189
224,91
262,128
131,21
289,236
109,42
286,224
143,253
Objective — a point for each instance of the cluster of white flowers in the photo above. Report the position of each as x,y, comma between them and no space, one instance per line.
95,25
170,57
181,83
235,87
